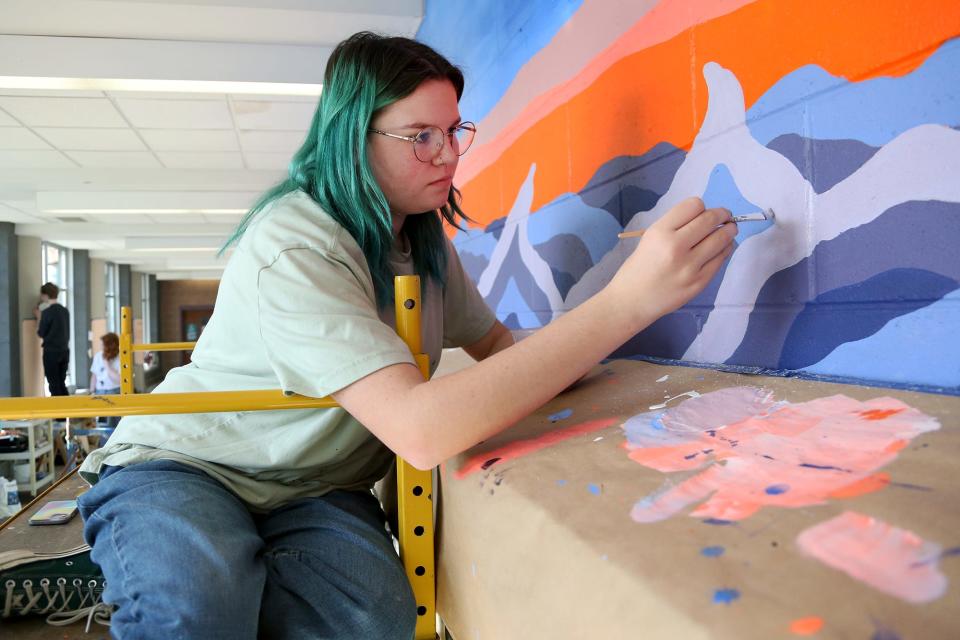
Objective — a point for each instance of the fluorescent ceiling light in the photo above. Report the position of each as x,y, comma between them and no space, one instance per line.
148,202
172,243
128,211
165,86
176,249
205,267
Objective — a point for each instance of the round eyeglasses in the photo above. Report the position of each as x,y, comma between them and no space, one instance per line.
428,142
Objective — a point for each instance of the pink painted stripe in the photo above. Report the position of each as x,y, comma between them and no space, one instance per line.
525,447
520,110
895,561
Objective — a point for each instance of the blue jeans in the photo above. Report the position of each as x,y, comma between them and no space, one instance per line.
183,557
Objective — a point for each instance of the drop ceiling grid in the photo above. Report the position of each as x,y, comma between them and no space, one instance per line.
56,130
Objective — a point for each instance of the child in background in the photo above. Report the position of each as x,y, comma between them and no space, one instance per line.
105,371
263,524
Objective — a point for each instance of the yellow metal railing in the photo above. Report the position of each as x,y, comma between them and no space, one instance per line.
414,487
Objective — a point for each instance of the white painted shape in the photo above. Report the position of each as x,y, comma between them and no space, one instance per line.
663,379
62,112
12,138
77,139
663,405
176,114
186,140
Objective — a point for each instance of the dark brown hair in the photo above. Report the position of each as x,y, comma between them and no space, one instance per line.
50,290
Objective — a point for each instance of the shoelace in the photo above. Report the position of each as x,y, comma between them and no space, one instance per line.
88,603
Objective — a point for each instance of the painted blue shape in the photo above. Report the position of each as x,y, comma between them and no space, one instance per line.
926,343
717,522
594,489
712,552
722,191
857,311
560,415
475,241
815,104
491,41
512,302
561,483
777,489
918,235
725,596
570,214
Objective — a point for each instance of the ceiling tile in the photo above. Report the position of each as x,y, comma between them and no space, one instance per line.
69,138
62,112
176,114
200,160
278,161
186,140
20,138
7,121
274,141
165,95
177,218
262,114
115,159
34,159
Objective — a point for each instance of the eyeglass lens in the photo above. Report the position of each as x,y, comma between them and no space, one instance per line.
430,142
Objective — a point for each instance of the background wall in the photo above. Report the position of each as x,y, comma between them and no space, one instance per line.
596,117
175,294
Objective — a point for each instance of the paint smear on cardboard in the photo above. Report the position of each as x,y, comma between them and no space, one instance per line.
895,561
525,447
806,626
754,451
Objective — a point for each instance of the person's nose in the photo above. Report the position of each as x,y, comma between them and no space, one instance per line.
447,155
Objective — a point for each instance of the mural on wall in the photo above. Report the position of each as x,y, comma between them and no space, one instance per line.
596,117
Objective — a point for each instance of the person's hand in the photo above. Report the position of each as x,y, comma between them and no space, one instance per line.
36,312
676,258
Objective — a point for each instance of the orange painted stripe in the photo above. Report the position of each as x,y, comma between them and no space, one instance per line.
650,96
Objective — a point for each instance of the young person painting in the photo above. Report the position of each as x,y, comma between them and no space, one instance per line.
239,524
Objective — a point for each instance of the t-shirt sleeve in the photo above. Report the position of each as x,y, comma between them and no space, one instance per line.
318,321
466,316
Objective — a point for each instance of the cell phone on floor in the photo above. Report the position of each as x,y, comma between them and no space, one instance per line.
55,512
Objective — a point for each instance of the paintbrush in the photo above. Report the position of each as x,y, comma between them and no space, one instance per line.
760,216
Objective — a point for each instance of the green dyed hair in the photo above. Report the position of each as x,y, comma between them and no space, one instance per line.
364,74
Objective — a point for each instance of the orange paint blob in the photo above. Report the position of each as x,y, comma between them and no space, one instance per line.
880,414
806,626
873,482
521,448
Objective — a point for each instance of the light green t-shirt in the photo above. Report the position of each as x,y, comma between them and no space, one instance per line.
295,311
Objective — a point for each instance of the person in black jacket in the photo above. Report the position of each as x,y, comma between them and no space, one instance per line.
54,328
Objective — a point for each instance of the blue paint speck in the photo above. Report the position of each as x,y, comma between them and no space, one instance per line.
561,483
594,489
717,521
561,415
725,596
777,489
712,552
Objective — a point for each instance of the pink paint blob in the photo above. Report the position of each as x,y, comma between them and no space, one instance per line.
754,451
524,447
892,560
